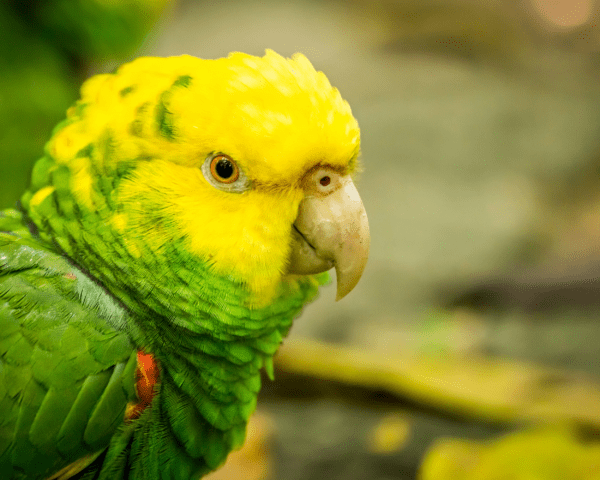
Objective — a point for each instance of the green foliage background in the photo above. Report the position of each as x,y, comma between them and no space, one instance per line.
45,54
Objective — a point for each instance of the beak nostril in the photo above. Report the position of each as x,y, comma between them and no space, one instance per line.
325,181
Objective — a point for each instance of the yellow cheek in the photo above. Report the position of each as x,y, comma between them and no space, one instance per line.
244,236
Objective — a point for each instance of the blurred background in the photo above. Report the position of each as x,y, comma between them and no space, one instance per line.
471,347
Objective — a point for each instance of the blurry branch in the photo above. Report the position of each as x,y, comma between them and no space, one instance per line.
492,390
539,453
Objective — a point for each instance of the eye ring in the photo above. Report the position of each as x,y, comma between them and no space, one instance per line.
224,169
224,173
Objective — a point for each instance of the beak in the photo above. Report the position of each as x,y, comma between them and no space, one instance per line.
331,230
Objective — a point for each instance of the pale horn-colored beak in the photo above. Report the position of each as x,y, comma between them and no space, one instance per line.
331,230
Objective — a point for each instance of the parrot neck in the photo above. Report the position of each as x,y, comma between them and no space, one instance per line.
210,374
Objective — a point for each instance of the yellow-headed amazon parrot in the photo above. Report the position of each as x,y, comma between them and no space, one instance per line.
179,219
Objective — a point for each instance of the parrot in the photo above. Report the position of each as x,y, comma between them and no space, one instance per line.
181,216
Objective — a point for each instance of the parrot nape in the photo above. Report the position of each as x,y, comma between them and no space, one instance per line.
181,216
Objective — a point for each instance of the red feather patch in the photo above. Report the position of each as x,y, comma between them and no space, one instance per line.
146,377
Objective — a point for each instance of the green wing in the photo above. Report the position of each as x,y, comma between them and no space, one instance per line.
67,365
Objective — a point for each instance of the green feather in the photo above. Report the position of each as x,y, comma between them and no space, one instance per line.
50,378
70,437
108,413
49,419
22,450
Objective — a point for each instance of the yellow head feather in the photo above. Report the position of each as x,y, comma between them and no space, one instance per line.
151,126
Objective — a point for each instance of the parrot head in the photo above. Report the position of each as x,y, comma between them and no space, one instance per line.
244,163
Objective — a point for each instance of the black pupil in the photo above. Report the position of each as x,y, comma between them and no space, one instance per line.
224,168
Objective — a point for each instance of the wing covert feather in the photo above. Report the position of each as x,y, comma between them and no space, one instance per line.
67,367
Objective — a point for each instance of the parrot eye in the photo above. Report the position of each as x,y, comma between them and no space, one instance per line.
224,169
223,173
